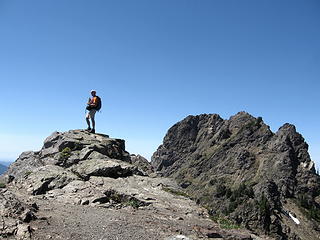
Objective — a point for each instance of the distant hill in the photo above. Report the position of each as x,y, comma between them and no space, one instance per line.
2,169
6,162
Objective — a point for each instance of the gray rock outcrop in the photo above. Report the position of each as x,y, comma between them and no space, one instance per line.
241,169
68,148
86,186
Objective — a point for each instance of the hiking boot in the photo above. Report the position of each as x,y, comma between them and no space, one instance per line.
88,129
92,130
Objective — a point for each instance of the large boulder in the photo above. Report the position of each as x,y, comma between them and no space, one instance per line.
105,168
46,178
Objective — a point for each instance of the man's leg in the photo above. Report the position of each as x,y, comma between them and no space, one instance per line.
93,124
92,115
88,121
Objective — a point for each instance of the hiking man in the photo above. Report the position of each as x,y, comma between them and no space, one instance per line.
93,105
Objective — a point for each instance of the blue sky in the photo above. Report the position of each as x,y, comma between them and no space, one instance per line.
153,63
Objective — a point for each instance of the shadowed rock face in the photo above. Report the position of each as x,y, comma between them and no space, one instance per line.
240,168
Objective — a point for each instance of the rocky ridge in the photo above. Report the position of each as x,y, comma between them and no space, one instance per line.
86,186
240,169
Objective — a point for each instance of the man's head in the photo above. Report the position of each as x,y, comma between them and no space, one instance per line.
93,93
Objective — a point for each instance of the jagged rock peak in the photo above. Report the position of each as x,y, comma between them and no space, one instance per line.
231,165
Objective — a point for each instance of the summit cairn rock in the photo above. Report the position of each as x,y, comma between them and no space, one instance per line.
240,169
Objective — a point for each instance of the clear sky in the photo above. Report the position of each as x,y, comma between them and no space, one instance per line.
153,62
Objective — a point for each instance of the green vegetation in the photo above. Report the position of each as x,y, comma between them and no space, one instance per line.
124,199
236,197
27,173
222,190
135,203
176,192
265,212
2,185
310,208
65,154
314,213
224,222
115,196
264,206
243,191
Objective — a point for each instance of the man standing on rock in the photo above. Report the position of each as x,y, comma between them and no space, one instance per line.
93,105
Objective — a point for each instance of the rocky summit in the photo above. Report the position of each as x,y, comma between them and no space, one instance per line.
87,186
239,169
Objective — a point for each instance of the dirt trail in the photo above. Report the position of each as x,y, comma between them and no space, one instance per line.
86,222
